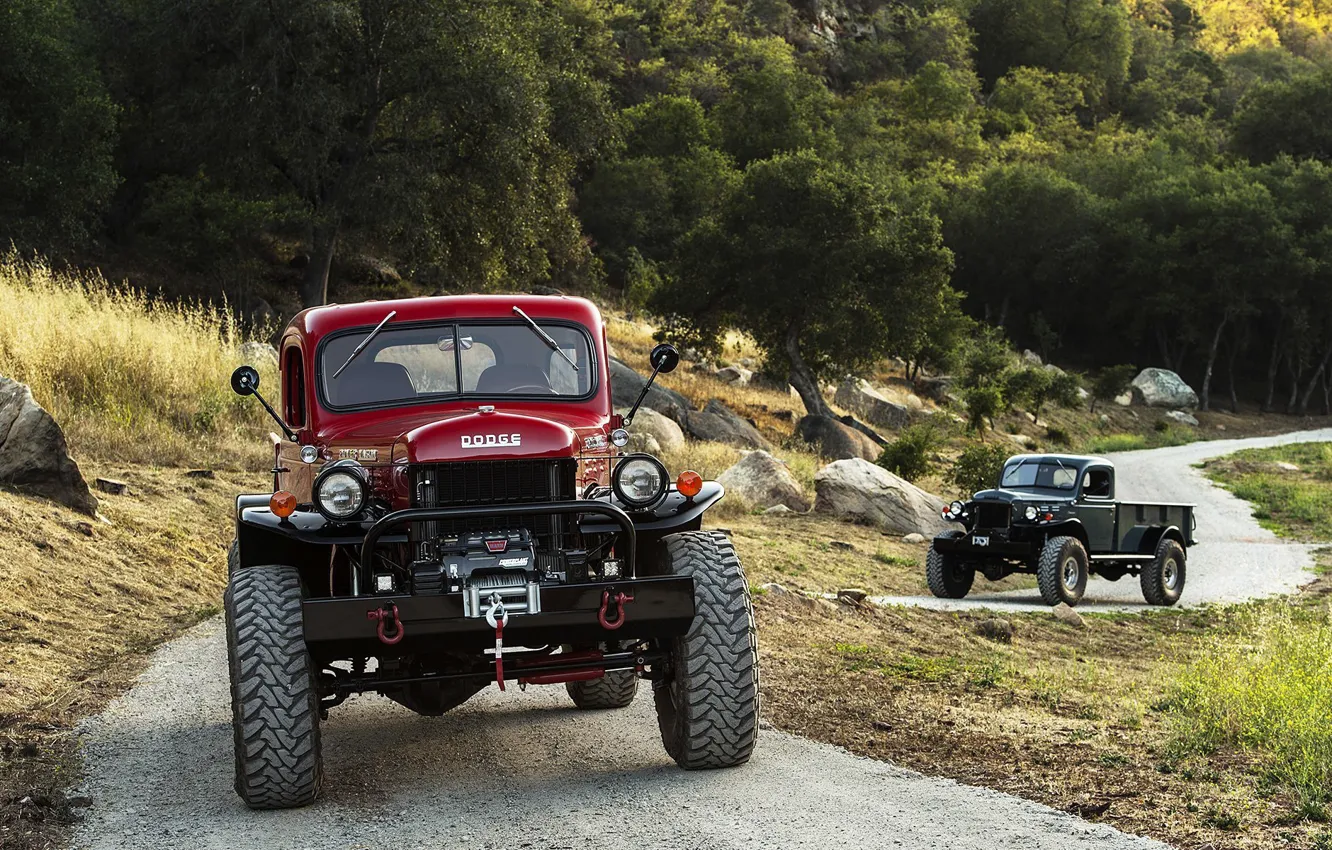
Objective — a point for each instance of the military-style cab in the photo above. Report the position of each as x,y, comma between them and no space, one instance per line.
1057,516
452,507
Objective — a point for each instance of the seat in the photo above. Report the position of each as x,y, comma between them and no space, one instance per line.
371,382
497,380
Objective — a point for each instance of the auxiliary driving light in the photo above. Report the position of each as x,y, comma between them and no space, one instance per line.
690,483
639,481
1030,513
282,504
340,490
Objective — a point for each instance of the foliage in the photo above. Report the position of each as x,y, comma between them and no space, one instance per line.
977,468
1111,382
911,455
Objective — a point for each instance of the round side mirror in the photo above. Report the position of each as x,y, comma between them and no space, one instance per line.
664,358
245,380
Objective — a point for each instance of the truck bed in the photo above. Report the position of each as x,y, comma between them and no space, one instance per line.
1134,519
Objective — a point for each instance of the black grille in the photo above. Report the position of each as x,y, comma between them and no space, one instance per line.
492,482
992,514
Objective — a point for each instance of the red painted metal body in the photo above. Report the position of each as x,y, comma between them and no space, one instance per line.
387,438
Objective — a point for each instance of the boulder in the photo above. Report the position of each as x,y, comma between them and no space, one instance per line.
33,455
863,399
852,594
1068,616
648,422
1182,417
258,354
735,375
626,384
774,588
719,424
640,442
1031,358
939,389
834,440
915,537
996,629
860,491
778,510
1124,399
761,480
1163,388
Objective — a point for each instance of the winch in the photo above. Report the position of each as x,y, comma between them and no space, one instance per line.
485,566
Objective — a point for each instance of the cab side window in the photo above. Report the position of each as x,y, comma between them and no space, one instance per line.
293,387
1096,484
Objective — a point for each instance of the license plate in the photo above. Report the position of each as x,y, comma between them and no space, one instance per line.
981,541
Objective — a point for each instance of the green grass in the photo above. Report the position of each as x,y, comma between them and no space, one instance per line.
1293,503
1265,687
1171,435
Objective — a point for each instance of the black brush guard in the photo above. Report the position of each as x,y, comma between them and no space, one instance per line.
661,607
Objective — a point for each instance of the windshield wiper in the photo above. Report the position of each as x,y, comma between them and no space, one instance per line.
366,342
554,346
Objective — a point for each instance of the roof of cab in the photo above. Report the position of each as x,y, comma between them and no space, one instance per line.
1067,460
318,321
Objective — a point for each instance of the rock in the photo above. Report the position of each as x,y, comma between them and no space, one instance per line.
996,629
778,510
939,389
747,362
735,375
689,354
259,353
640,442
1163,388
34,458
760,479
1031,358
913,401
201,473
719,424
667,433
774,588
1124,400
1022,440
365,269
1220,427
861,398
852,594
1083,395
915,538
1286,467
626,384
842,545
1182,417
834,440
1103,420
110,485
1067,615
255,312
858,490
84,528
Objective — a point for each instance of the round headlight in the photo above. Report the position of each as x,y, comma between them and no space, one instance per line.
619,438
639,481
957,509
339,493
1030,513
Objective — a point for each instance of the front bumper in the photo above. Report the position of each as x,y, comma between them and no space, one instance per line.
995,544
662,607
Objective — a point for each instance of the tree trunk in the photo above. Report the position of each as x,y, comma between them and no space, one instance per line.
804,381
1313,382
1273,366
314,286
1295,373
1230,369
1211,363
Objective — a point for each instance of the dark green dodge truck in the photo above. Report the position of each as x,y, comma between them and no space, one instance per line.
1056,516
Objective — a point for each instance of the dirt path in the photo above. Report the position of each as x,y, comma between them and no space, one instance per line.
516,770
1236,560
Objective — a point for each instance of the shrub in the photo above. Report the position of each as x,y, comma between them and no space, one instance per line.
983,404
911,455
977,468
1058,436
1111,382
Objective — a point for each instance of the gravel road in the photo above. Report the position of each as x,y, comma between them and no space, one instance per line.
1236,560
520,770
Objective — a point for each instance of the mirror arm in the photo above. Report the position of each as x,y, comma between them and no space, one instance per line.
286,429
629,417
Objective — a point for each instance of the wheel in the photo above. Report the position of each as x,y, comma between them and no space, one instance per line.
274,704
1163,579
708,708
1061,572
947,580
233,558
616,689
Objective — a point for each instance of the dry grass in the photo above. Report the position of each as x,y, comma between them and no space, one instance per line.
130,379
1076,719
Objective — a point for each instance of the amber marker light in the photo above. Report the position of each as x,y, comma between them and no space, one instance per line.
689,483
283,504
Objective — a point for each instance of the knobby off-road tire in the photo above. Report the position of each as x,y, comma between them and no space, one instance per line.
1061,572
1163,579
233,558
274,704
616,689
946,579
708,710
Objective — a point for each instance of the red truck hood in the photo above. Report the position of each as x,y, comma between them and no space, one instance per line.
465,435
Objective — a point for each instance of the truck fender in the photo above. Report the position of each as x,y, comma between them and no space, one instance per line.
1069,528
1152,537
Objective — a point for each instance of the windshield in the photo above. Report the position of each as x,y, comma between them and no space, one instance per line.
1035,475
407,364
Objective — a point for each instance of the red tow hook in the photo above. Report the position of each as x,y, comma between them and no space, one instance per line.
620,599
385,616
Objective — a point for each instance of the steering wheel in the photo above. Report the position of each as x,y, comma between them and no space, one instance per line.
531,388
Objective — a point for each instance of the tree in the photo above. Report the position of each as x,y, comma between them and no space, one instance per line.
57,129
1292,118
1089,38
425,124
1111,382
814,262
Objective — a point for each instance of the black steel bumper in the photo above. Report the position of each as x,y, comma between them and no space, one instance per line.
661,608
996,547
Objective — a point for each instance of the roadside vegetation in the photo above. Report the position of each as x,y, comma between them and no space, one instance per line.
1290,487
